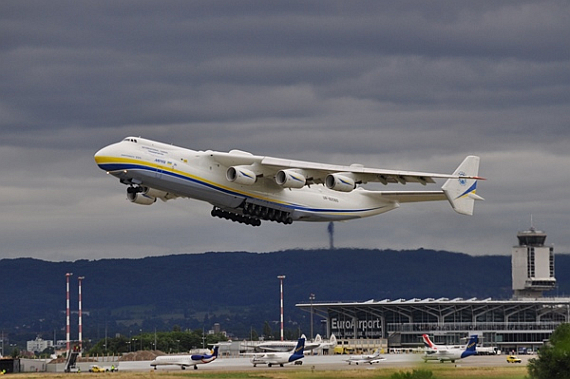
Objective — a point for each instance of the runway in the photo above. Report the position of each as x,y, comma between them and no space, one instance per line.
333,362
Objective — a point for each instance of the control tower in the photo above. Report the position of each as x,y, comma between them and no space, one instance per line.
532,265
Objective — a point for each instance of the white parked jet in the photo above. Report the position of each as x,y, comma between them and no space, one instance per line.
324,344
185,360
370,359
288,345
247,188
449,353
282,358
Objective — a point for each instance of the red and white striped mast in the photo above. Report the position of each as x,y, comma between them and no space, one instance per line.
281,277
67,312
80,278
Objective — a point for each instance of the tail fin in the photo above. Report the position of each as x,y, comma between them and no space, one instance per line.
461,192
428,343
215,351
318,338
332,340
471,347
298,352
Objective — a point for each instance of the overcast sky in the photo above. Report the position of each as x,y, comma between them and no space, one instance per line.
409,85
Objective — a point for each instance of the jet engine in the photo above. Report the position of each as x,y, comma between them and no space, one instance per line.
140,198
290,179
340,182
241,175
145,195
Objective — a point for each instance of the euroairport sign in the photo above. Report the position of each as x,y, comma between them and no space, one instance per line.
355,328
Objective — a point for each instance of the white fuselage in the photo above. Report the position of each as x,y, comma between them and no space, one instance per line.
370,359
284,346
451,354
182,360
271,359
196,174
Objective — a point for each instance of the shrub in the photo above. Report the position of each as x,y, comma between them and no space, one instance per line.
415,374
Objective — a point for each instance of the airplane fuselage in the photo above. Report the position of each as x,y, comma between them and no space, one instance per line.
184,360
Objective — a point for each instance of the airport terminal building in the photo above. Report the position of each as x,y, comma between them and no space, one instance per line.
523,322
504,324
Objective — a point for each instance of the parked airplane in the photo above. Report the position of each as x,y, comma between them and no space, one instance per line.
430,345
185,360
247,188
280,358
449,353
370,359
287,345
324,344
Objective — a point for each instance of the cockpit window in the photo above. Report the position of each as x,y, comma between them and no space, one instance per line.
130,140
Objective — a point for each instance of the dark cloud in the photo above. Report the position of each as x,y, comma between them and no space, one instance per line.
407,84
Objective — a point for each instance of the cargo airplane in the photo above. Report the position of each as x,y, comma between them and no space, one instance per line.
247,188
185,360
449,353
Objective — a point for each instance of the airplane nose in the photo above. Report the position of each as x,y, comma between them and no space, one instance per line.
101,155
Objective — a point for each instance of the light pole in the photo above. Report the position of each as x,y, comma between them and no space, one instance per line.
281,277
80,278
312,298
67,313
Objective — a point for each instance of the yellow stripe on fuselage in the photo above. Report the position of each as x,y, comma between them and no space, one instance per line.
114,160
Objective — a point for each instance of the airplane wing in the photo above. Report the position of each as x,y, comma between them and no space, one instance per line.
359,172
317,172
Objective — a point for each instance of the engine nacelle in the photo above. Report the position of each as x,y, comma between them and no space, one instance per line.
140,198
241,175
290,179
156,193
340,183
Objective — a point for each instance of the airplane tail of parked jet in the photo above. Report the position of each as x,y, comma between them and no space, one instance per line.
297,353
332,340
427,342
471,348
461,192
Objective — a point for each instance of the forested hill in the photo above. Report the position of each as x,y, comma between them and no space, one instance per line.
240,289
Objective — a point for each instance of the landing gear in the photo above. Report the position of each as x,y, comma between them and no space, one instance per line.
217,212
266,213
253,214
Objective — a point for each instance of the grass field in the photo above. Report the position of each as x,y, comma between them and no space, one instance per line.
514,372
